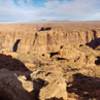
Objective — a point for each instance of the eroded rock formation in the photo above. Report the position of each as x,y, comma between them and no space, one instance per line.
50,61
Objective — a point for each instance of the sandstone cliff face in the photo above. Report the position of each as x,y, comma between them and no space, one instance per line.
40,42
46,44
59,57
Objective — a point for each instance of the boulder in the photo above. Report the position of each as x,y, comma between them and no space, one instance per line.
55,89
54,84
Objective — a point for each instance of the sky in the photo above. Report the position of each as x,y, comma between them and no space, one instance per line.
48,10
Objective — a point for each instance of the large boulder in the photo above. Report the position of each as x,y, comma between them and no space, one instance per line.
53,83
55,89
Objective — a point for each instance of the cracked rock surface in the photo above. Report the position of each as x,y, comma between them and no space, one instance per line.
58,61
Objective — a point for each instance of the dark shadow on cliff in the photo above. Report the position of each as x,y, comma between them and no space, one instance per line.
15,47
12,64
85,87
95,42
45,29
11,88
37,85
97,61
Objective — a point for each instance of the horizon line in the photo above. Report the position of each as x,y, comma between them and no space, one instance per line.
46,21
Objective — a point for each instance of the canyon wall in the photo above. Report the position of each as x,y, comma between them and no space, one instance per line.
50,61
44,42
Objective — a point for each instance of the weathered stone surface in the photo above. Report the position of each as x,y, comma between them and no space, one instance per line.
56,84
55,89
54,53
43,42
27,85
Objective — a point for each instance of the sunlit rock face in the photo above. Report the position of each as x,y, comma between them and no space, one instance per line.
51,61
30,39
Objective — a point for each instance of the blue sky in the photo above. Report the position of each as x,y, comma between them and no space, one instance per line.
38,10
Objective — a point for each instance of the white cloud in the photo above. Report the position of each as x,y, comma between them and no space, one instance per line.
24,10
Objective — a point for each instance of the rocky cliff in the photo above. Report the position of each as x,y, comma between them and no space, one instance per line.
29,39
59,56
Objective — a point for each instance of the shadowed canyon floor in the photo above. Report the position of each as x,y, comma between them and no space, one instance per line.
50,61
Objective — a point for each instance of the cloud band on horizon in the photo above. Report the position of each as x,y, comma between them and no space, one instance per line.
38,10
